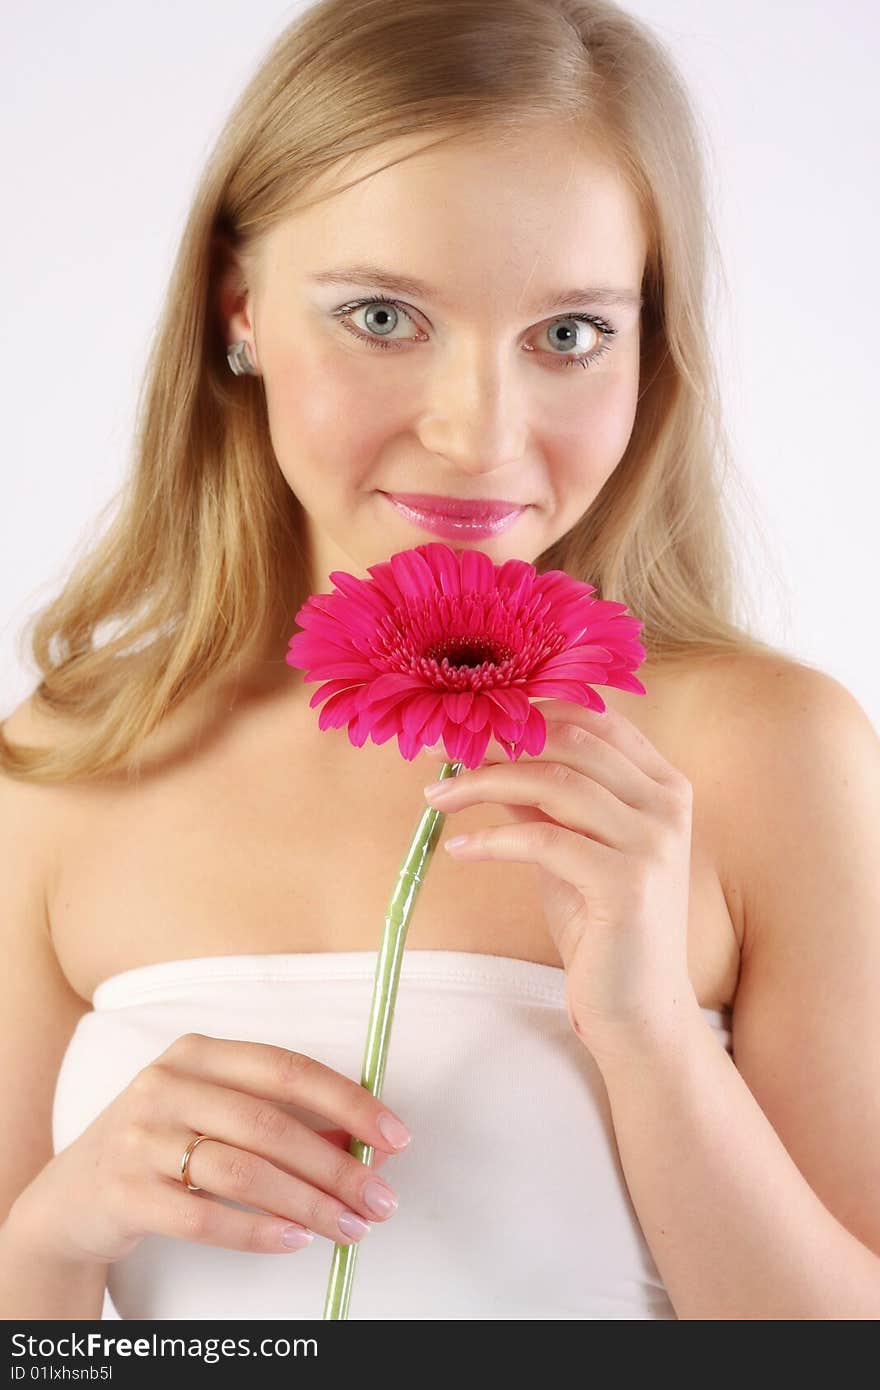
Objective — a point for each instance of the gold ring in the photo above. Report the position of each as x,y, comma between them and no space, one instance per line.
184,1162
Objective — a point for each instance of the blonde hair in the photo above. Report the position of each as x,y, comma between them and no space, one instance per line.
205,516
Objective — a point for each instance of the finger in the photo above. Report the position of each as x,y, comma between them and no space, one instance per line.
577,860
167,1208
617,730
255,1147
559,791
601,760
273,1073
569,746
241,1174
342,1140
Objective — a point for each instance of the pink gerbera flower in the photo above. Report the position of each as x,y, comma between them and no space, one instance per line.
447,645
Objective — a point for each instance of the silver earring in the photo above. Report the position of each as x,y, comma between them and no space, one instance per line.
237,357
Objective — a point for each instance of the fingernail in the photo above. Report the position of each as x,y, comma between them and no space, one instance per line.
395,1132
352,1225
294,1237
380,1198
439,788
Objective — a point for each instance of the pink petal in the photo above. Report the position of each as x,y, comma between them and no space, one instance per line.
378,645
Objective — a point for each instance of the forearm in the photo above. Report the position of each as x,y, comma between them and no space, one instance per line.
734,1228
36,1284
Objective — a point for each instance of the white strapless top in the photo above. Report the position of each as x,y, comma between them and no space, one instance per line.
512,1200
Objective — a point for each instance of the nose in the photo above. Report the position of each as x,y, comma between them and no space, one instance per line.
477,415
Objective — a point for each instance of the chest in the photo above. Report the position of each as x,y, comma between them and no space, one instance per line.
235,853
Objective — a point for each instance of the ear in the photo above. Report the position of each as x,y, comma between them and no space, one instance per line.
231,294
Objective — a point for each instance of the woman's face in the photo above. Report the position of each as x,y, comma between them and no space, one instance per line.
478,393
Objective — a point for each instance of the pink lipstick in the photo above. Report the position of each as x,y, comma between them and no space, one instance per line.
455,517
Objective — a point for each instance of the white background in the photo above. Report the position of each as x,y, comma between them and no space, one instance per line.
109,112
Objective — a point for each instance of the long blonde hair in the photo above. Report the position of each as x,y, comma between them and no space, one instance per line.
205,516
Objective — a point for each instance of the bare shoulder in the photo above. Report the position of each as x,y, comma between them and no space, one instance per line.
28,726
760,702
734,700
30,811
192,723
38,1008
807,771
33,814
765,717
759,678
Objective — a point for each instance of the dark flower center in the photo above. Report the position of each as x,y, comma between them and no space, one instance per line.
468,651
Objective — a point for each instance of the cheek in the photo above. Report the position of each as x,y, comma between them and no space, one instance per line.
590,431
614,423
324,415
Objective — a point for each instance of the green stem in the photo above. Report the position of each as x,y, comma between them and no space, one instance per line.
390,958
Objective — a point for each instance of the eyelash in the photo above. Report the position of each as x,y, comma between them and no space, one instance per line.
585,360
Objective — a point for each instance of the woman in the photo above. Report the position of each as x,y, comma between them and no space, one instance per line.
414,223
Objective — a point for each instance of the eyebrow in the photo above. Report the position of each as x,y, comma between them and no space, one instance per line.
375,276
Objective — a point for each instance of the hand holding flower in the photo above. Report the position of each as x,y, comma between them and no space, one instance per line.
607,821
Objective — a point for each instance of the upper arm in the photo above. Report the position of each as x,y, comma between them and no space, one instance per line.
806,1017
38,1008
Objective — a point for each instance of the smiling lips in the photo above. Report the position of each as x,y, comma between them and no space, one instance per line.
455,516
